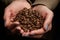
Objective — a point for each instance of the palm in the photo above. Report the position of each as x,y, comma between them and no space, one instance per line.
48,15
12,10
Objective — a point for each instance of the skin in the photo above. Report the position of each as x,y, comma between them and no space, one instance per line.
11,10
15,6
48,15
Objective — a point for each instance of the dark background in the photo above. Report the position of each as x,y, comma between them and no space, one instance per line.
54,34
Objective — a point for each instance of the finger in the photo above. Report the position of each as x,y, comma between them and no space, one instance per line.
20,30
15,30
48,27
36,36
16,22
40,31
36,32
48,20
7,17
26,34
13,25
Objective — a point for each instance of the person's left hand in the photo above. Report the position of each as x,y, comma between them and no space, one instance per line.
10,13
48,15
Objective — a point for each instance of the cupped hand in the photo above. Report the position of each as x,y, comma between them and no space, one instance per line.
48,15
11,11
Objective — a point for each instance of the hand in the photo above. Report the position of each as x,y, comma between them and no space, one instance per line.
48,15
12,9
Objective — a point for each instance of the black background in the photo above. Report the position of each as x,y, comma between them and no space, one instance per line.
4,33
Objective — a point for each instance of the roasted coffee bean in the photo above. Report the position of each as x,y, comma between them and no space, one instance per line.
29,19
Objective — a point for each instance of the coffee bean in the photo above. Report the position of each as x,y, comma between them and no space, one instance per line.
29,19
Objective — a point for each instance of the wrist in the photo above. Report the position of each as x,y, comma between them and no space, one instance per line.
39,6
25,3
19,0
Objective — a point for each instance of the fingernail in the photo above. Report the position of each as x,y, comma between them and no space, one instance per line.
46,28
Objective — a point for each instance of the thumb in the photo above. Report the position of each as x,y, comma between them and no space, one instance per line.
7,17
7,23
48,21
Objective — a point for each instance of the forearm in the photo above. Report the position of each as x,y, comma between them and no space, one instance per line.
51,4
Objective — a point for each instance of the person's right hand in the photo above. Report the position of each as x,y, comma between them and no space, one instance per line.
12,9
47,14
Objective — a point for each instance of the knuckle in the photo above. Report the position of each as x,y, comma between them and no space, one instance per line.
52,14
6,9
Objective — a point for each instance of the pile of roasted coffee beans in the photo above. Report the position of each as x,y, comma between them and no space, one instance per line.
29,19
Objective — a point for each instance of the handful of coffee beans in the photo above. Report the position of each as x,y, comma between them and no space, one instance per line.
29,19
